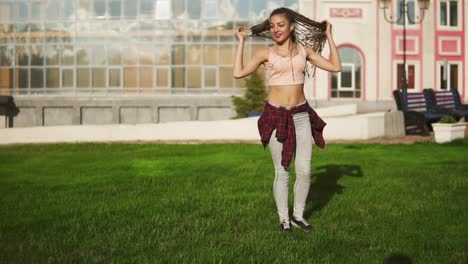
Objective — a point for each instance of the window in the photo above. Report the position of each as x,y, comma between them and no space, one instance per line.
99,8
449,76
448,13
348,83
163,9
410,10
210,9
410,76
115,8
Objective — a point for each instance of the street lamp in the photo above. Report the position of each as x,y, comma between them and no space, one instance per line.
402,16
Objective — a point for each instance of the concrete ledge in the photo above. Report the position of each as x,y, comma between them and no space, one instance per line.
354,127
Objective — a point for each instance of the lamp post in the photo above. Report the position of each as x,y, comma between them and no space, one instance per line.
402,16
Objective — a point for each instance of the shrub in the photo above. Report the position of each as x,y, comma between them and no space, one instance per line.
254,96
447,120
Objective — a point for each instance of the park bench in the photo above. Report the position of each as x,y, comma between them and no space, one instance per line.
448,99
8,109
418,114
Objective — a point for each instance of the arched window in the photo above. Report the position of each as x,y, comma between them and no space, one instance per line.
348,82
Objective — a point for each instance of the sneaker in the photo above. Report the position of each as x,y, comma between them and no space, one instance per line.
284,226
301,223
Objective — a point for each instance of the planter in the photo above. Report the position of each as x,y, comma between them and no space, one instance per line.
448,132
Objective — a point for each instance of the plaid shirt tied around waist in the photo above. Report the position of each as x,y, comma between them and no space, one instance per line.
281,119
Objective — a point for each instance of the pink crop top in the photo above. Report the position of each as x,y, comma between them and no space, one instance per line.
286,70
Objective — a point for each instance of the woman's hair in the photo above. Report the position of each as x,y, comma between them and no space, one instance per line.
306,31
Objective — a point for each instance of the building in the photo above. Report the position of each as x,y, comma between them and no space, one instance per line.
142,61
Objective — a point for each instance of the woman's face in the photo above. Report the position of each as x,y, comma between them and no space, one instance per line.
280,27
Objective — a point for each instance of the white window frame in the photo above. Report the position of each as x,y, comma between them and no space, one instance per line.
459,16
439,77
353,78
417,77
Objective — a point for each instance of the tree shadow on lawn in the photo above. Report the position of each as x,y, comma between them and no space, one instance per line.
326,185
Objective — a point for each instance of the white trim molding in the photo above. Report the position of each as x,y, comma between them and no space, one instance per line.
450,53
399,48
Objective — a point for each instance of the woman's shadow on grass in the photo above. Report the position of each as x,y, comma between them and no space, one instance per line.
326,185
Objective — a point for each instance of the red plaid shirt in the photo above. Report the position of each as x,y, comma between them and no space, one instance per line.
282,120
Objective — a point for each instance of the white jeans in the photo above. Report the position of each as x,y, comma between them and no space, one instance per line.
302,161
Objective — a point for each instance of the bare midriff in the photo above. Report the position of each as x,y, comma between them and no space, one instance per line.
286,95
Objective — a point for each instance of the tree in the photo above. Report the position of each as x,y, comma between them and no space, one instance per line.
254,96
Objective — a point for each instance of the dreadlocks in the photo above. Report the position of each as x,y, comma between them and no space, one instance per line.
307,32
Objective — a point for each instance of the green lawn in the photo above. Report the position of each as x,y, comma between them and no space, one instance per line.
155,203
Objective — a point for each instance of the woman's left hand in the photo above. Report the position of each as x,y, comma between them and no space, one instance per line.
328,30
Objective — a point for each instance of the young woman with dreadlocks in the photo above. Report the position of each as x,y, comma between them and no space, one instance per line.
288,124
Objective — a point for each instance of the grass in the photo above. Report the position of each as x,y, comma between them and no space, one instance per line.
148,203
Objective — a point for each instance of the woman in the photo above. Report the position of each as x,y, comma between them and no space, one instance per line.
288,124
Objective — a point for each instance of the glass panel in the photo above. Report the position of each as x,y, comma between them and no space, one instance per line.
99,77
411,12
130,77
454,76
178,54
52,78
68,55
67,77
84,9
194,54
22,55
146,55
37,78
114,77
453,13
147,7
7,55
194,9
163,55
21,10
99,55
54,9
113,55
163,9
6,78
7,34
83,78
146,77
259,10
210,78
130,55
115,8
130,8
22,33
346,77
399,80
226,54
443,79
82,55
52,55
178,9
443,13
37,10
36,33
194,77
69,9
23,78
162,77
225,77
242,7
411,77
99,8
211,9
334,82
210,54
6,10
178,77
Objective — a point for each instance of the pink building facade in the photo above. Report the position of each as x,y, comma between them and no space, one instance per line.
372,51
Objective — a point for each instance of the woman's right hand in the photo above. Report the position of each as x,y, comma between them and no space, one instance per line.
241,33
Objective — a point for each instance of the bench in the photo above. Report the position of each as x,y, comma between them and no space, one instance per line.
448,99
8,109
417,112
